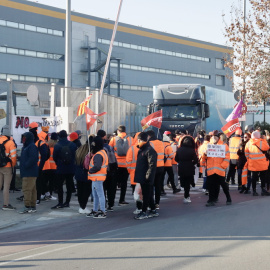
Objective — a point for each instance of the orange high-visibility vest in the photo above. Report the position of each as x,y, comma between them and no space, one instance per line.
159,148
121,160
11,151
174,148
202,149
218,165
234,146
169,154
131,160
42,136
102,173
245,174
255,158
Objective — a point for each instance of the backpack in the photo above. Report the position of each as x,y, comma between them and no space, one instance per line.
66,155
3,158
86,161
122,146
48,151
112,166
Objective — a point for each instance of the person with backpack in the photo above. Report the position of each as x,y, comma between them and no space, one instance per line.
8,159
64,157
44,154
110,182
121,144
29,172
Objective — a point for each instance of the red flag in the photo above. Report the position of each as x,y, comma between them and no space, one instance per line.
154,119
91,117
231,127
80,110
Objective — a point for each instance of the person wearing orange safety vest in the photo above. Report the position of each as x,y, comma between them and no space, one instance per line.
122,172
202,149
234,145
42,157
159,148
8,162
97,174
169,155
49,171
216,170
173,143
43,135
257,162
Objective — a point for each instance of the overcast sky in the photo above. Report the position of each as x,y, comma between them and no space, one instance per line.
198,19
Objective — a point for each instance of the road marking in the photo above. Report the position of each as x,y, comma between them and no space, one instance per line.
44,218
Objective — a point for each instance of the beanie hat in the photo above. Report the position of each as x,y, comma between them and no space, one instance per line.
45,129
166,138
6,131
73,136
54,136
101,133
33,125
238,131
215,133
143,136
256,135
63,134
167,132
97,144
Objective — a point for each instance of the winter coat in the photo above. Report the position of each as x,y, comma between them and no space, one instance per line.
187,159
61,167
146,165
29,157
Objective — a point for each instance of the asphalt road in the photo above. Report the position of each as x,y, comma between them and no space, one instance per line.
182,237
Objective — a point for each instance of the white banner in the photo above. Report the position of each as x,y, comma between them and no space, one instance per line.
20,125
216,150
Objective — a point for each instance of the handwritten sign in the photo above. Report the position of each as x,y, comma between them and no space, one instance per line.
216,150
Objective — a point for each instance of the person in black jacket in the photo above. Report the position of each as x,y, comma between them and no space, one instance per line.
145,174
64,157
187,159
29,172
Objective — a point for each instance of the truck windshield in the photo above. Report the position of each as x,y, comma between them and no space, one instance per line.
180,112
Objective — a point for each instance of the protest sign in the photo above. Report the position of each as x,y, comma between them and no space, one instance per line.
216,150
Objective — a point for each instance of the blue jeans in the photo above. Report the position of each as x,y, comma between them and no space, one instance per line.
98,194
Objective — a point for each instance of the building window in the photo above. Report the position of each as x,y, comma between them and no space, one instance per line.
219,63
220,80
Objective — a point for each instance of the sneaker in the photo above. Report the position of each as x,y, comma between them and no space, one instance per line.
243,189
169,185
176,190
47,198
247,191
87,210
8,207
91,214
81,211
141,215
157,206
42,197
110,209
206,193
20,198
38,202
58,206
210,204
187,200
137,211
229,202
33,209
153,213
51,198
25,210
66,205
123,203
100,214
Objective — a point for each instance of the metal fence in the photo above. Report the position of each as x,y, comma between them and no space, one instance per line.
119,111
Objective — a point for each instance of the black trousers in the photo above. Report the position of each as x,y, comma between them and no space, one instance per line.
158,183
255,177
186,181
109,186
214,182
231,173
48,181
169,171
84,190
148,199
122,175
68,177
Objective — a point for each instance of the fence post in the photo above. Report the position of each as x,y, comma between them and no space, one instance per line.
9,103
52,94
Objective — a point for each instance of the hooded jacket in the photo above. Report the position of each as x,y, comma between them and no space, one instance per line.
29,157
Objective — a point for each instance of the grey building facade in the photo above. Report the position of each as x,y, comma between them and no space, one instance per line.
32,49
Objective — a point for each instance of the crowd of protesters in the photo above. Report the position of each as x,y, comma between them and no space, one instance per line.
103,163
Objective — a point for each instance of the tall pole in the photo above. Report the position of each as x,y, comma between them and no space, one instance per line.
110,52
68,48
